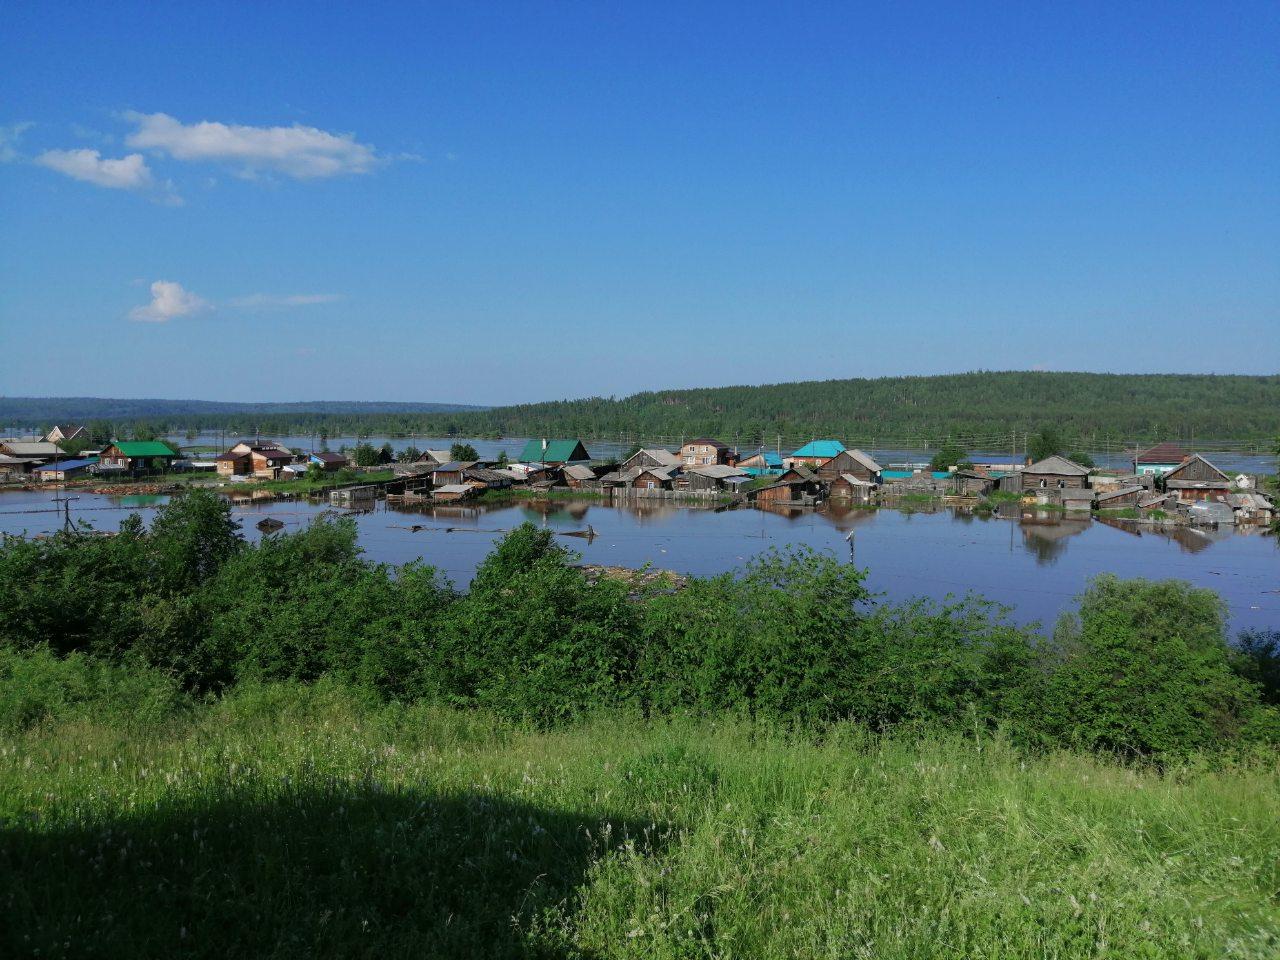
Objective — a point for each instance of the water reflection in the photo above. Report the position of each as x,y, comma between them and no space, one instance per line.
1045,534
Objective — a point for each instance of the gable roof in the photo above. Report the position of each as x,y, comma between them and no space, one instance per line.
1161,453
820,448
439,456
557,451
853,481
801,471
706,442
453,466
865,459
33,448
1192,459
662,456
579,471
328,456
771,459
1059,466
143,448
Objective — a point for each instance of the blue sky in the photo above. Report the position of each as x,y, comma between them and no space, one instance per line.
502,202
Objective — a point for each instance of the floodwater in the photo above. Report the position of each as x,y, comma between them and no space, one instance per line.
1036,564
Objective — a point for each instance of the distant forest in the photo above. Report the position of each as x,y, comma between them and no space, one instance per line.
980,409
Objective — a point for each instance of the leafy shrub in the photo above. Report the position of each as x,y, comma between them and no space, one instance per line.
1148,672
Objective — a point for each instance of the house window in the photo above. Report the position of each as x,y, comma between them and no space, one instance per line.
1062,484
1044,483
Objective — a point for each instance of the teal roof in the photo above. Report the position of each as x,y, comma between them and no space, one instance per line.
558,451
820,448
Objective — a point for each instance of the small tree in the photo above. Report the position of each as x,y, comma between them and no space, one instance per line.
410,454
502,459
950,455
463,451
365,455
1046,443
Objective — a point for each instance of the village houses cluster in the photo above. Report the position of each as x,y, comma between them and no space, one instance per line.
1164,482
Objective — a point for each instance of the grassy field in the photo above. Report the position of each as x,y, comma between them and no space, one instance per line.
300,822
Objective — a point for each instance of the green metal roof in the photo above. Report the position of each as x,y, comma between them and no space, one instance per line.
144,448
558,451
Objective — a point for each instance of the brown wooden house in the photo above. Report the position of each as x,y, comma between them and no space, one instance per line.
650,457
1054,473
652,478
855,463
1195,478
850,487
231,464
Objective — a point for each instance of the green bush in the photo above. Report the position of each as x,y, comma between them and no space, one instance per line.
1147,670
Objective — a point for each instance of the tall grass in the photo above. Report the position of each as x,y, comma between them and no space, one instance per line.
289,820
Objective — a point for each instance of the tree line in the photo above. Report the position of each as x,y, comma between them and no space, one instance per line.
981,409
1140,668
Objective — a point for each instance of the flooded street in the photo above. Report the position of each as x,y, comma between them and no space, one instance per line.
1036,565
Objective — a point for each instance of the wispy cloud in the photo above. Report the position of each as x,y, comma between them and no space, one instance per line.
168,300
10,135
268,300
126,173
303,153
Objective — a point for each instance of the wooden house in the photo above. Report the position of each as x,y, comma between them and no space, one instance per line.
136,456
1159,459
1195,478
554,452
1120,498
852,462
452,472
1054,473
851,488
650,457
815,453
797,484
703,452
651,478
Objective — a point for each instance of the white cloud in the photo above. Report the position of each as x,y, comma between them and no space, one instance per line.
127,173
301,152
9,137
255,300
168,300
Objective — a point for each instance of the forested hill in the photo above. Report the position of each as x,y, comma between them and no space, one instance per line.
986,408
982,408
